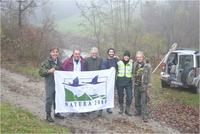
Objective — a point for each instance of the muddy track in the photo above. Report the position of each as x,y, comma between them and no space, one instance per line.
29,94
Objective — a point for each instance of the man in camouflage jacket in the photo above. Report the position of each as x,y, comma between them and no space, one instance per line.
47,69
142,71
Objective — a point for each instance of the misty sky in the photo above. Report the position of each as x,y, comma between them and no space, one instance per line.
59,9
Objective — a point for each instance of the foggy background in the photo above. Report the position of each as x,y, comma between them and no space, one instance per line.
29,28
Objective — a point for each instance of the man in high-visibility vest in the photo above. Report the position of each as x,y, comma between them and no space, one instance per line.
124,81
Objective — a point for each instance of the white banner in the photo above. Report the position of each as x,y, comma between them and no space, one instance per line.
84,91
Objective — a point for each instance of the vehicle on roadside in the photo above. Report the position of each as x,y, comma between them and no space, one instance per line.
181,68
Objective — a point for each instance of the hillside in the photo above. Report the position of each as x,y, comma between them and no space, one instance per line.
72,24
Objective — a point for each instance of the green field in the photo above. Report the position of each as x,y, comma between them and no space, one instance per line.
72,24
17,120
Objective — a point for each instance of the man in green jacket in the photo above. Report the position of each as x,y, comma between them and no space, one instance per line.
47,69
124,82
94,63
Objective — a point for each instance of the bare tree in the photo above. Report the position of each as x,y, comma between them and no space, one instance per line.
111,21
176,21
29,42
93,14
24,5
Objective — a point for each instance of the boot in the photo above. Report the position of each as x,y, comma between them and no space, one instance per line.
121,109
127,111
49,118
100,113
145,119
137,113
59,116
109,110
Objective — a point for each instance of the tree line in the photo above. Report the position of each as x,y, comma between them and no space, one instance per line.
150,26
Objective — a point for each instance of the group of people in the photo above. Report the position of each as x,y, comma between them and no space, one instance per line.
130,75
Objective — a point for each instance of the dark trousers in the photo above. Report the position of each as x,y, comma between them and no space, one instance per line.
120,91
50,100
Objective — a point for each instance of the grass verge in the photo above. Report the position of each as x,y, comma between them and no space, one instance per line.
185,96
27,70
17,120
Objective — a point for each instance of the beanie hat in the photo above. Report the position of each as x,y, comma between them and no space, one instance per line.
127,53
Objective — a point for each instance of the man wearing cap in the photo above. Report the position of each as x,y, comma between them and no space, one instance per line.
46,70
124,82
142,71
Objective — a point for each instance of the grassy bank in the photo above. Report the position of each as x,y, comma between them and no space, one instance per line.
17,120
24,69
185,96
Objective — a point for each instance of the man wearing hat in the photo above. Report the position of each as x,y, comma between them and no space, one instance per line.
124,81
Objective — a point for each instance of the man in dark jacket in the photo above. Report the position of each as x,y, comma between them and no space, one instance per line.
124,81
47,70
111,61
75,62
94,63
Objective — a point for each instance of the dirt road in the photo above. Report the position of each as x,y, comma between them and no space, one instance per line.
29,94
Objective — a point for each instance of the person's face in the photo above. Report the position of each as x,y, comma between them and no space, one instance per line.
111,54
76,54
140,58
94,54
126,58
54,54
